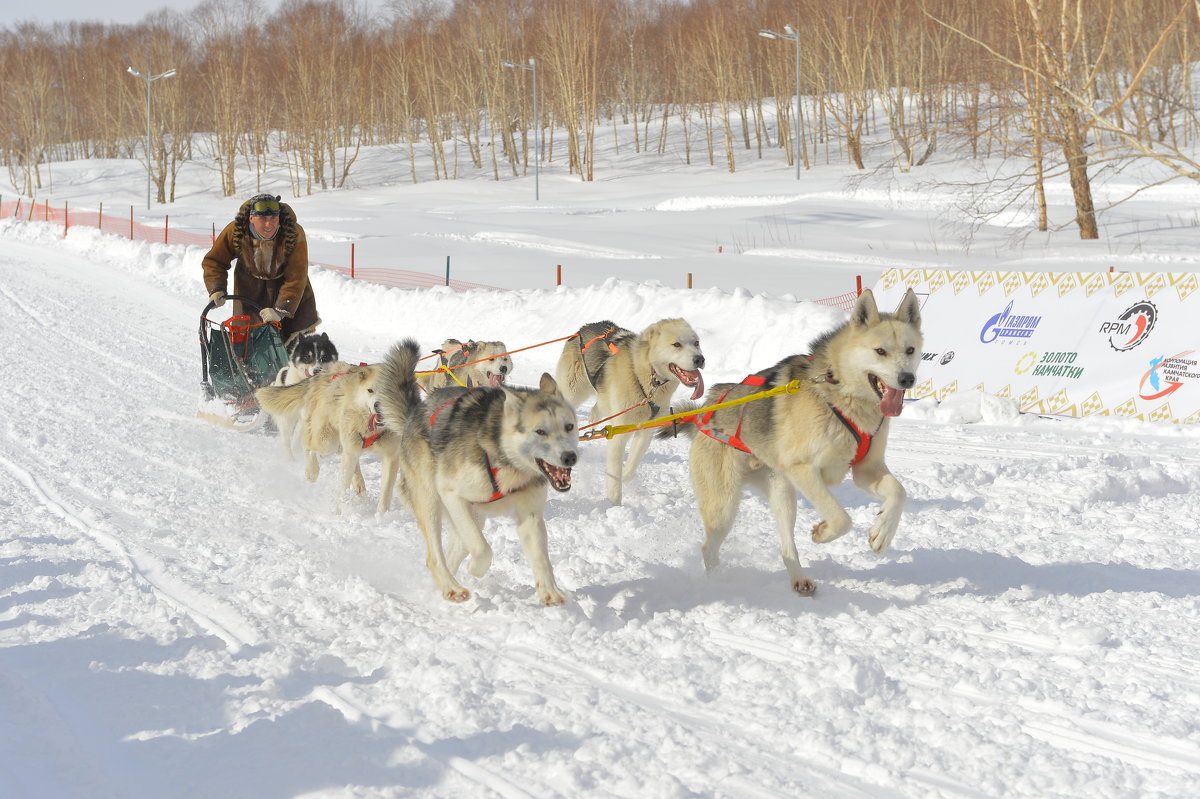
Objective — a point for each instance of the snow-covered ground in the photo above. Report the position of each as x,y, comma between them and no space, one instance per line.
181,614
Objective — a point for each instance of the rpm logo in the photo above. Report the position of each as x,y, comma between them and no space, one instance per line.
1132,327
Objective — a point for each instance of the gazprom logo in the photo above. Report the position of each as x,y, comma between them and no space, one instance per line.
1006,324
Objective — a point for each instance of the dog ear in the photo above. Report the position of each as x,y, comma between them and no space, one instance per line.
547,384
865,312
909,309
514,401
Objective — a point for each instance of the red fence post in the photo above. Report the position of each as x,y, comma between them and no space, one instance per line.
100,220
351,260
66,217
559,283
131,222
166,227
858,284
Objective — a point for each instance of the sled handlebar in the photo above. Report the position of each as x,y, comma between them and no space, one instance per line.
238,297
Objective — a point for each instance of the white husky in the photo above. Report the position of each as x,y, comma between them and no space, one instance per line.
631,374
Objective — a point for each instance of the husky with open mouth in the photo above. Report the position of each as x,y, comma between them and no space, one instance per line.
633,373
848,388
470,364
493,450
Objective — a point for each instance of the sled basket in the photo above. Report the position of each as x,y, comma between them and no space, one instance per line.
238,356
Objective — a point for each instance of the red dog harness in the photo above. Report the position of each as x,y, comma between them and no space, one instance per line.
861,437
492,472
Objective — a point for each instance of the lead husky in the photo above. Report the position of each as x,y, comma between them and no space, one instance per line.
838,421
498,451
632,372
476,363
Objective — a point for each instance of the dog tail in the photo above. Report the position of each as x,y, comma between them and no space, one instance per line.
680,427
397,391
277,400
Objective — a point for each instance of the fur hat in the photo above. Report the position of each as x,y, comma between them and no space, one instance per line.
287,223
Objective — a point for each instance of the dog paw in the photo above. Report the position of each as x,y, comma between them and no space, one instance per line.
880,537
456,594
823,532
552,598
804,587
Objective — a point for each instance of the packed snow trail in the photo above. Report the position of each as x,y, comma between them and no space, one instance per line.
181,614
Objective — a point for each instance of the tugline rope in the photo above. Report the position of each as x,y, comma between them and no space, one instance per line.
500,355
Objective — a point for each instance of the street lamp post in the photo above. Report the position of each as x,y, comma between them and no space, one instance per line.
790,35
537,126
170,73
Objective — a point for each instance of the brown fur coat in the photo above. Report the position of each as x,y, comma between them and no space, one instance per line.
272,273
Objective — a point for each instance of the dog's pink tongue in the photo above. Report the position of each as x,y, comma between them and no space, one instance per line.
495,380
893,401
699,391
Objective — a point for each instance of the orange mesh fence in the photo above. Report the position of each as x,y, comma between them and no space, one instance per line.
124,224
843,301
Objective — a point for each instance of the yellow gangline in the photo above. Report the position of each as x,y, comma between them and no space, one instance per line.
662,421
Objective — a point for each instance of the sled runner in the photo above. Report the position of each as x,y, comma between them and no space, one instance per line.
238,356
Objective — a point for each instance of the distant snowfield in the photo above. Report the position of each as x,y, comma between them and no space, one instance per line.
533,242
182,614
705,203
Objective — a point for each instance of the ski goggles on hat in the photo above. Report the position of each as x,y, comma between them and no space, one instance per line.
266,207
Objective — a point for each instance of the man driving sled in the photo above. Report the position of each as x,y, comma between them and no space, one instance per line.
271,255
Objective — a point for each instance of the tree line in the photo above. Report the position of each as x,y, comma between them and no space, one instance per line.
1057,86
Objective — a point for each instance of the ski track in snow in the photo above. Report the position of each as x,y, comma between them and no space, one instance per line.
177,606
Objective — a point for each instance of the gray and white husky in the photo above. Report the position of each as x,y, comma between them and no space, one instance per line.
850,385
492,450
632,372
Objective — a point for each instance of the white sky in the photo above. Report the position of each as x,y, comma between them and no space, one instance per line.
116,11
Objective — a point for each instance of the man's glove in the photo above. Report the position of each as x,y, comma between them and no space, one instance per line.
270,315
217,298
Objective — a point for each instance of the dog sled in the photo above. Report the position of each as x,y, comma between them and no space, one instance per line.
238,356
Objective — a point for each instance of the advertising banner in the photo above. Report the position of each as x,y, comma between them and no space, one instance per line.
1123,344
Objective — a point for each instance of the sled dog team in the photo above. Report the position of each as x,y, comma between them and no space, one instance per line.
463,444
